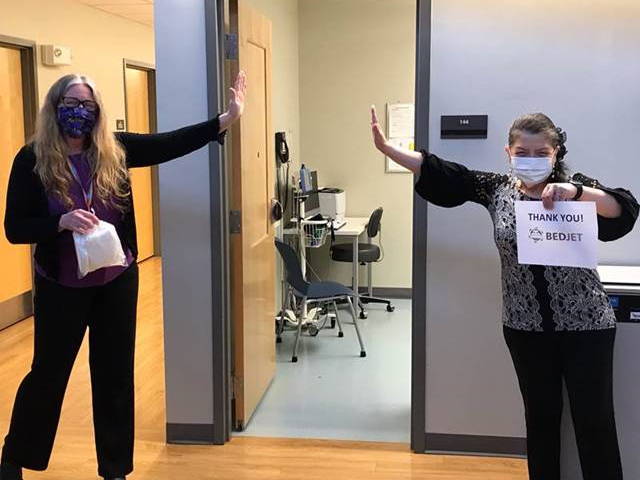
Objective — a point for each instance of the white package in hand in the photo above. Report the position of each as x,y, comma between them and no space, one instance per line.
98,249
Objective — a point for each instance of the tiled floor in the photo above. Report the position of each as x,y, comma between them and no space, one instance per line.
332,393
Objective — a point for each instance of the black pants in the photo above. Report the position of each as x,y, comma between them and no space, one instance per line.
62,316
585,361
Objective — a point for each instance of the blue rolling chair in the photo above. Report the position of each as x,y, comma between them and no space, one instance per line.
314,292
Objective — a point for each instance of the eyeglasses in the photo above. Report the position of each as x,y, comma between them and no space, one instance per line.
74,102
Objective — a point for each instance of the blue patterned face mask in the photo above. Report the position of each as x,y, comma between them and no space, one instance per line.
76,121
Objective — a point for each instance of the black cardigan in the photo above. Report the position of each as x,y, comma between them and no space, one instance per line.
449,184
27,217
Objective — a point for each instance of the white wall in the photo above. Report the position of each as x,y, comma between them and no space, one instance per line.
354,53
576,61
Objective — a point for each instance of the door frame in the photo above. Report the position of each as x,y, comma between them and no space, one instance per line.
153,127
21,307
217,49
419,247
220,174
29,58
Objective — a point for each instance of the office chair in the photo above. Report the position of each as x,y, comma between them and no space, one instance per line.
368,253
314,292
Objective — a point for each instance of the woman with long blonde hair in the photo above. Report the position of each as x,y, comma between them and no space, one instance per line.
71,178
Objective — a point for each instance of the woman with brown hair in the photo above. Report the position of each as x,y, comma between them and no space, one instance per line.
558,323
73,176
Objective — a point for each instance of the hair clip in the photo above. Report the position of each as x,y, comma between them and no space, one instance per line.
562,134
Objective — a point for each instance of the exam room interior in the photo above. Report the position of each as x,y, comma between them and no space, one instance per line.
331,61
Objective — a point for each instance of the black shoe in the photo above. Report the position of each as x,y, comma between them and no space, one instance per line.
109,478
10,472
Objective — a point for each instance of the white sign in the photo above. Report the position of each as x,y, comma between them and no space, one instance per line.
566,236
401,120
400,131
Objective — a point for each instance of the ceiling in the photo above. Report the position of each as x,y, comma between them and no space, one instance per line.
140,11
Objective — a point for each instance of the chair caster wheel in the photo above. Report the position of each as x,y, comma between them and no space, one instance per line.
363,315
294,359
333,323
363,354
390,308
279,340
340,334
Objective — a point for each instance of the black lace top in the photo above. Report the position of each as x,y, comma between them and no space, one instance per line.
535,298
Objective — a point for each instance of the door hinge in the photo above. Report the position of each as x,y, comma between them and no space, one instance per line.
235,386
235,222
231,46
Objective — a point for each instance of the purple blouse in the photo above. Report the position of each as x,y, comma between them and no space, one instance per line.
67,260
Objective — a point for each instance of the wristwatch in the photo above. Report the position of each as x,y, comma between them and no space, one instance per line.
579,187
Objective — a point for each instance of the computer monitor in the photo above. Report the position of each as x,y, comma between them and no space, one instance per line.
312,203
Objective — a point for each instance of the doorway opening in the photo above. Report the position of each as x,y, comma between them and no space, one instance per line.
18,105
329,62
140,114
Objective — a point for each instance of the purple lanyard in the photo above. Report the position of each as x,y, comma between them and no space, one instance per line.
88,196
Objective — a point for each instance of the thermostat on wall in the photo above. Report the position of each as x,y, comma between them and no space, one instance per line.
55,55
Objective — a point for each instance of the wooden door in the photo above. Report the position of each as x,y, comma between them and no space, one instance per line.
16,272
138,121
252,250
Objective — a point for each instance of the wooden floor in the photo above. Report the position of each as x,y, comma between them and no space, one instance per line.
242,458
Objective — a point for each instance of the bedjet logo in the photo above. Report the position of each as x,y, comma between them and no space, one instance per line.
538,235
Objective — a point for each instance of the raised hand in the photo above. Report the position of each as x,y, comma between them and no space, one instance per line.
402,156
379,138
237,96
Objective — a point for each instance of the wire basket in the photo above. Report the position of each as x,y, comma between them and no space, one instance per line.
315,232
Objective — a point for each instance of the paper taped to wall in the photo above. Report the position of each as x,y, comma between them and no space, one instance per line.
400,131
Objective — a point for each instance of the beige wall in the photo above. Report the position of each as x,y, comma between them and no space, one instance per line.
285,95
354,53
99,42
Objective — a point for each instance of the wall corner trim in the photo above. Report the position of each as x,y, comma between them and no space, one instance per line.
480,445
191,433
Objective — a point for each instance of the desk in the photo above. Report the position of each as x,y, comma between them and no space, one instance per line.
622,284
353,228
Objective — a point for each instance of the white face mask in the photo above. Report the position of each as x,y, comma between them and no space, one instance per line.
532,170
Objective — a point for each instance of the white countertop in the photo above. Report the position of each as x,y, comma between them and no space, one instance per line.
619,274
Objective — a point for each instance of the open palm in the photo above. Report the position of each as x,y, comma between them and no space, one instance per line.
237,95
378,136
